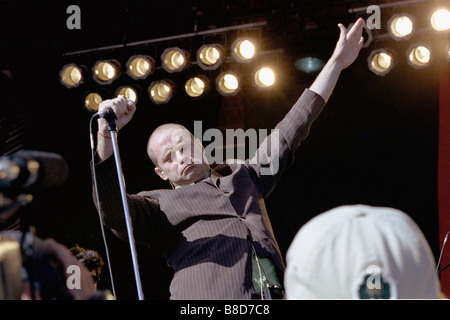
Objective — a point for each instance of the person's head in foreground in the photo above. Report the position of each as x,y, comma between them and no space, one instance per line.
361,252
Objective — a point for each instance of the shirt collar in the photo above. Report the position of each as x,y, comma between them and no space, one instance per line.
208,174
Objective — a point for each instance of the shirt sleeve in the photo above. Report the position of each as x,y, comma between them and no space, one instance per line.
276,153
149,223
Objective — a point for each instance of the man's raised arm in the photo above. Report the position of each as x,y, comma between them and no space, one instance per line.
346,51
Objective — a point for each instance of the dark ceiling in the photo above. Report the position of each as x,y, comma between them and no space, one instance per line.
375,143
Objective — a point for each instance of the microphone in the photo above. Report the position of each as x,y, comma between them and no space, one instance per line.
108,113
28,171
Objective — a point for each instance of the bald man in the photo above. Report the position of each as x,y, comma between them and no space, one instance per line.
212,226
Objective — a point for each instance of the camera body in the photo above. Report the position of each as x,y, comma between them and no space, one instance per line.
24,267
10,268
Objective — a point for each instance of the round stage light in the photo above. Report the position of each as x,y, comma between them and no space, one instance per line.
227,84
160,91
71,75
210,56
440,20
140,66
401,27
92,100
128,92
195,87
380,62
106,71
419,56
174,59
447,54
309,64
264,77
243,50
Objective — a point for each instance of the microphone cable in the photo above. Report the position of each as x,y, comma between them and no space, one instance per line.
442,251
98,206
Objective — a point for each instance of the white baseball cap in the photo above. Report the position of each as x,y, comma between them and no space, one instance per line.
359,252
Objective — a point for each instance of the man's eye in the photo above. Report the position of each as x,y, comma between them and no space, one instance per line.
168,158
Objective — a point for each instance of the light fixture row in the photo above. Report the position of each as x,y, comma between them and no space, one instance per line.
419,56
174,59
402,26
161,91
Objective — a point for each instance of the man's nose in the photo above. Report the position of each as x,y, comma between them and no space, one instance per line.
181,156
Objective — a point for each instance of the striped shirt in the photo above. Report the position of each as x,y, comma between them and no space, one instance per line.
207,231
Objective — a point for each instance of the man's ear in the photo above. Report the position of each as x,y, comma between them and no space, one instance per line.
161,173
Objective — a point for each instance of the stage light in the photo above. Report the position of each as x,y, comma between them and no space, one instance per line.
447,54
440,20
263,77
106,71
92,100
401,26
71,75
419,56
174,59
195,86
243,50
140,66
309,64
128,92
160,91
227,84
210,56
380,62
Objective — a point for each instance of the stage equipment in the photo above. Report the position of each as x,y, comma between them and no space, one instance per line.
263,77
419,56
380,62
161,91
210,56
71,75
440,20
174,59
110,117
401,26
227,84
243,50
92,100
195,86
106,71
140,66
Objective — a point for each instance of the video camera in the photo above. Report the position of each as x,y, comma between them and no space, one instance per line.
24,267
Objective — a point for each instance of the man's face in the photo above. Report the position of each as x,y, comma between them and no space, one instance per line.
180,157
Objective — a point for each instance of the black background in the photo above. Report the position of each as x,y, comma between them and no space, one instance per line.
375,143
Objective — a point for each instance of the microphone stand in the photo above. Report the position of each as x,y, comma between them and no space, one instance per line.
113,132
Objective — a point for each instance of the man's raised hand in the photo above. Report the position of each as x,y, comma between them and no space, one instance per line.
123,109
349,44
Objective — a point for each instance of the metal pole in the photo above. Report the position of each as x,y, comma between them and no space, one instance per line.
113,133
386,5
180,36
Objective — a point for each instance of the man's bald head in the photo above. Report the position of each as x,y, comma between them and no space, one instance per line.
178,157
159,130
